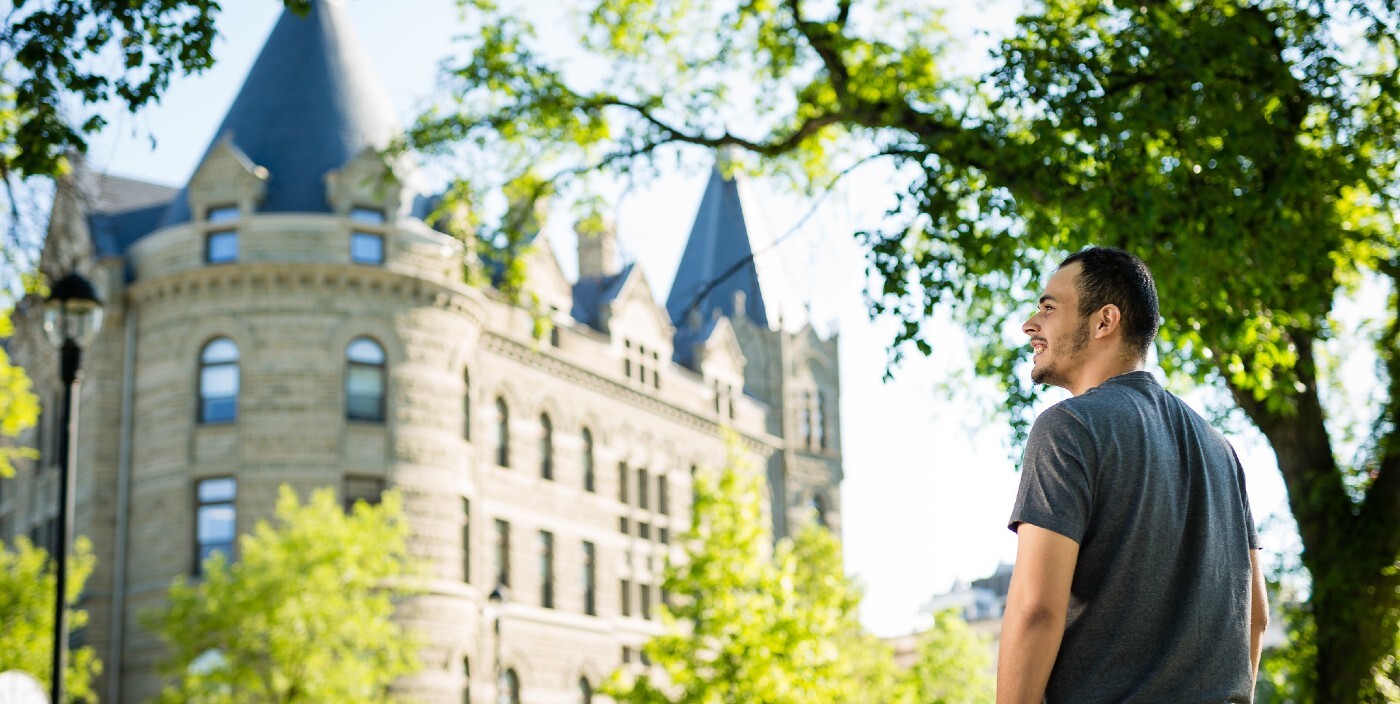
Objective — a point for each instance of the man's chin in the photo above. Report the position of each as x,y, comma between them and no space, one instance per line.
1044,375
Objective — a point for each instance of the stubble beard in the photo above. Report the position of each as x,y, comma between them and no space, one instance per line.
1055,372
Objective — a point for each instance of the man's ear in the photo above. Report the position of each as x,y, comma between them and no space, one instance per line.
1107,320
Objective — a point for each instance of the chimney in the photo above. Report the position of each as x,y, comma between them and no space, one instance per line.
597,248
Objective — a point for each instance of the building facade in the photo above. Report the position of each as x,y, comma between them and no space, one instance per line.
288,316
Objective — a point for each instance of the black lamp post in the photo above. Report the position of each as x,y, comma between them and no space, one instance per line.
72,317
495,608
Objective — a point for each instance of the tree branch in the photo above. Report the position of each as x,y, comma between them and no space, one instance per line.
822,40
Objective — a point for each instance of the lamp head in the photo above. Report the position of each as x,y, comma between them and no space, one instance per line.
73,311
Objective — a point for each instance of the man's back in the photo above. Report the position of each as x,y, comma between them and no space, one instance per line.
1160,601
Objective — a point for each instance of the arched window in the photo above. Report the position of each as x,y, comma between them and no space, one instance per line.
511,683
546,447
502,433
819,509
364,380
819,420
585,691
218,381
588,475
466,405
804,419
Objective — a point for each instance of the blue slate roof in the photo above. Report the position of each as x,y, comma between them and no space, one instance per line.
125,210
310,103
718,240
591,295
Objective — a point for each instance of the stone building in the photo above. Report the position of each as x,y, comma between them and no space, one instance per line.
287,316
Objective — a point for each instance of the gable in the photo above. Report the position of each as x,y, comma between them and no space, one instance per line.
635,314
226,177
545,278
721,355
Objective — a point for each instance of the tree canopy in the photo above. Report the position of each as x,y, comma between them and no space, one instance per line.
303,615
750,621
27,586
1245,149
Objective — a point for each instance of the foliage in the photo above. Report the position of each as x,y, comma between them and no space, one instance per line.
54,56
304,615
1246,150
747,622
954,664
58,52
19,407
27,586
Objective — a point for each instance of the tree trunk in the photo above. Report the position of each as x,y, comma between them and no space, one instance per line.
1347,553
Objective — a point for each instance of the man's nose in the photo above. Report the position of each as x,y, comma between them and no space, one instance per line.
1030,327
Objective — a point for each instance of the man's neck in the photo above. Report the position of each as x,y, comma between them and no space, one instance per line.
1097,372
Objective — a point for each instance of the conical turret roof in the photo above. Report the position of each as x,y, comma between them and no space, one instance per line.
719,240
310,103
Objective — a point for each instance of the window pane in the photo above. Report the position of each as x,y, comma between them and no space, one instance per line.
366,248
224,213
218,410
215,523
373,216
221,489
220,350
208,549
219,381
366,489
364,407
364,351
365,380
502,547
221,247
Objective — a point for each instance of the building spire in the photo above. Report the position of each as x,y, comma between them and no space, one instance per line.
309,105
719,241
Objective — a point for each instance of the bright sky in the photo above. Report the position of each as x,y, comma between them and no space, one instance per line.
929,482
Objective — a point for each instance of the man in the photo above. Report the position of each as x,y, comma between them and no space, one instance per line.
1136,571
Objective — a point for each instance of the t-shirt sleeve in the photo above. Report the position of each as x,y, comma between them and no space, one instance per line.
1250,530
1056,490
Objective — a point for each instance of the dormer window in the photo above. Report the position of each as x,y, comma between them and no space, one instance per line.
369,216
221,247
223,213
366,248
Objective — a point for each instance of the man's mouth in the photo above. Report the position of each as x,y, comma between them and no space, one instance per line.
1039,346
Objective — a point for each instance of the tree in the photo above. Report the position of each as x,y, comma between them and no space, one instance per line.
1245,149
58,53
304,615
954,665
19,407
746,622
56,56
26,608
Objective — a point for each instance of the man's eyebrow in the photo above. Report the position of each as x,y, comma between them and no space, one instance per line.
1048,297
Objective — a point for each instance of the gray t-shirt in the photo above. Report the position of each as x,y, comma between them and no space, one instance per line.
1155,497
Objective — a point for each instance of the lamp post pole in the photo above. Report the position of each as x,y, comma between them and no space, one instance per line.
72,316
72,359
495,606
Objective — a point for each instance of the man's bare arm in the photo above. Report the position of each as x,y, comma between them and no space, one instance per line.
1036,607
1258,614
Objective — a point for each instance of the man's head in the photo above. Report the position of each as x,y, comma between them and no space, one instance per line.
1098,310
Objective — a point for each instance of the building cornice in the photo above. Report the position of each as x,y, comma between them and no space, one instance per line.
760,442
303,277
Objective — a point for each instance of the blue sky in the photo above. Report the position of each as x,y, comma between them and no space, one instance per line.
929,482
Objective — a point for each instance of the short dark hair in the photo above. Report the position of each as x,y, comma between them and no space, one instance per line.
1108,275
